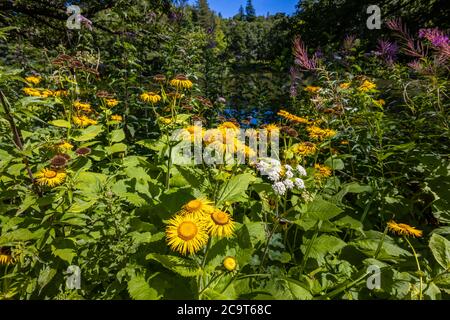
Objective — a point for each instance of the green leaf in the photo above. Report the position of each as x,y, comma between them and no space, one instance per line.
184,267
117,147
195,177
89,133
440,247
139,289
60,123
234,189
45,276
65,254
117,135
80,206
334,163
320,209
322,246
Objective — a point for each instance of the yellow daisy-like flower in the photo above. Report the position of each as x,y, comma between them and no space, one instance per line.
304,148
367,86
83,121
46,93
50,177
32,92
198,207
322,171
312,89
111,102
228,125
293,118
318,133
344,142
272,128
404,229
344,85
186,234
230,263
5,256
192,131
64,146
33,79
82,106
150,97
220,224
60,93
116,117
181,82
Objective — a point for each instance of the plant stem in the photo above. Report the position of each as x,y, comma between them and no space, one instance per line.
418,267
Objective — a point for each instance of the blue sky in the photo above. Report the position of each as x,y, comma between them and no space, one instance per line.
229,8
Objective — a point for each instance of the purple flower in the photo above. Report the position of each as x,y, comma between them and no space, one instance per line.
301,56
387,51
435,36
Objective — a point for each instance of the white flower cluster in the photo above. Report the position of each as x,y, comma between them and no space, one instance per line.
284,177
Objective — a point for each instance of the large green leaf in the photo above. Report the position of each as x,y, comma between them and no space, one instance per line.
321,209
89,133
182,266
139,289
440,247
322,246
234,189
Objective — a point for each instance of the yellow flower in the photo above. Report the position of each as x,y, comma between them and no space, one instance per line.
198,207
304,148
228,125
312,89
33,79
150,97
230,263
344,142
319,133
344,85
220,224
5,256
192,131
322,171
64,146
186,233
111,102
82,106
165,120
367,86
50,177
181,82
46,93
291,117
60,93
116,117
83,121
404,229
32,92
380,102
272,128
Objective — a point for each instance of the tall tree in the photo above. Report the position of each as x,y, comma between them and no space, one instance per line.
241,13
250,11
204,14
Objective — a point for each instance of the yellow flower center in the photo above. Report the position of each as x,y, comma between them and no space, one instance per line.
194,205
229,263
50,174
187,230
220,218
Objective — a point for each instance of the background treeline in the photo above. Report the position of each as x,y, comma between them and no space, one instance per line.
244,59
